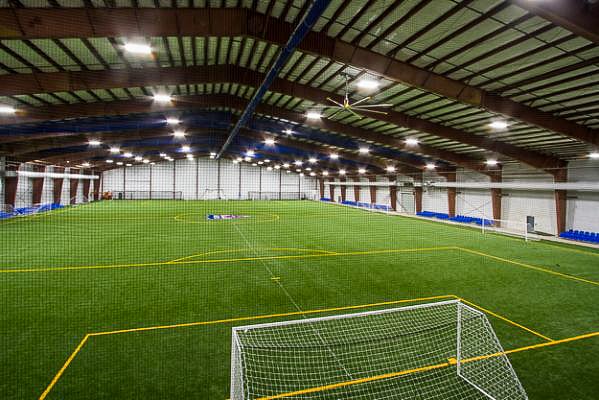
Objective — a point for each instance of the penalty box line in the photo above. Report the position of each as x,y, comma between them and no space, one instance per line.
81,344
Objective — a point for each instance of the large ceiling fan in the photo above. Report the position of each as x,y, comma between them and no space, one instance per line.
354,108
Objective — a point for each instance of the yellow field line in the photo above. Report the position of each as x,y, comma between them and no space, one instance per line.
246,249
421,369
520,264
64,367
277,315
229,320
108,266
509,321
295,313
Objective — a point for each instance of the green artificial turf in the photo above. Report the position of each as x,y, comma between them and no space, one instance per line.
103,267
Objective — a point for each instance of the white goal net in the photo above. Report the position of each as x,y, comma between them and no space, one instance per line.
213,194
444,350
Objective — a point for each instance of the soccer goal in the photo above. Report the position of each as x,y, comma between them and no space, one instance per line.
505,227
281,196
213,194
444,350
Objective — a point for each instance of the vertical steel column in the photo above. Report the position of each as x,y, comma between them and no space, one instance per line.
561,201
57,186
357,190
37,185
372,190
74,185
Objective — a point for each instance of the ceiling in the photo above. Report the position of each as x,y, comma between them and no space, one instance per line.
449,68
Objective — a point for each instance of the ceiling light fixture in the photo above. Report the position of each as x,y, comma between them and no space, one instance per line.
334,156
115,150
173,121
109,161
162,98
364,150
94,142
312,160
313,115
7,109
250,153
390,168
138,158
412,141
189,156
119,163
128,155
179,134
491,162
137,48
430,166
341,172
361,171
368,84
185,148
498,125
325,173
248,158
288,131
594,155
269,142
298,163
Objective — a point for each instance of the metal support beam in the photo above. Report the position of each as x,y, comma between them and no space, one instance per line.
393,194
34,23
74,185
301,30
451,194
10,186
37,185
577,16
561,202
357,190
57,185
372,190
496,199
529,157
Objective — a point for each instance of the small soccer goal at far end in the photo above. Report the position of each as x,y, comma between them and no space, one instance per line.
443,350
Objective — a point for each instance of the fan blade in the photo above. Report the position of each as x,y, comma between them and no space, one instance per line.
333,101
361,101
355,113
335,113
376,105
372,111
319,107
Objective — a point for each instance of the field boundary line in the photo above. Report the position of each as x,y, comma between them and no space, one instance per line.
521,264
154,264
64,367
422,369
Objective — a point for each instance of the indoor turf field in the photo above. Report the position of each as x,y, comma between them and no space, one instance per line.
137,299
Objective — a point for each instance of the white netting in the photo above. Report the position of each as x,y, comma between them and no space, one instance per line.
402,353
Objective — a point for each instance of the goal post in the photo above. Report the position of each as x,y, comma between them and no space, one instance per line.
214,194
443,350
